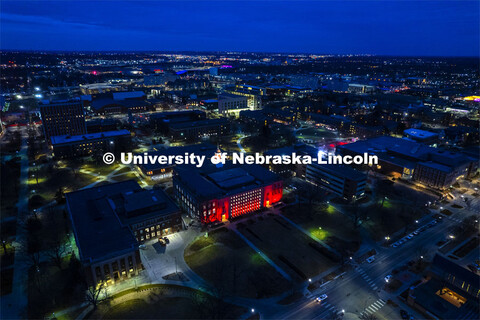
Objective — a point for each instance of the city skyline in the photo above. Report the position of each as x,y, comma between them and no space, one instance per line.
393,28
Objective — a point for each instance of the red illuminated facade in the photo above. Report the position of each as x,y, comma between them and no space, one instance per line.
193,195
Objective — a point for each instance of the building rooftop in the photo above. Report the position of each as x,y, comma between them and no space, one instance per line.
419,134
101,216
85,137
210,181
128,95
98,231
195,124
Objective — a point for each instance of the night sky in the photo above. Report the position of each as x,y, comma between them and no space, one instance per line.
441,28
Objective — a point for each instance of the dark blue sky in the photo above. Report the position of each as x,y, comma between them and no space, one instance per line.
376,27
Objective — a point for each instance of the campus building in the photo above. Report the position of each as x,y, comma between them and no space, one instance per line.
231,104
68,146
298,170
448,292
212,194
62,118
342,180
157,171
406,159
422,136
109,221
194,130
161,121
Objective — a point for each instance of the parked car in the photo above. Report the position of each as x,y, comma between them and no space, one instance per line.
162,242
321,298
388,277
371,259
142,246
166,239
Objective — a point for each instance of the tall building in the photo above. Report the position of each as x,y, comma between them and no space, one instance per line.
63,118
111,220
339,179
232,104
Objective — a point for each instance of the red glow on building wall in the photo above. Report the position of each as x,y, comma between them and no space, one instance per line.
272,194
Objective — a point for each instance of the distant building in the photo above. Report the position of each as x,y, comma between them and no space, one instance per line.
407,159
195,130
101,125
161,121
421,136
95,88
299,170
209,104
157,171
342,180
67,146
109,221
360,88
212,194
108,106
231,105
140,95
62,118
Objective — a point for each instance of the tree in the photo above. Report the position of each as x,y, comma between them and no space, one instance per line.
56,252
94,294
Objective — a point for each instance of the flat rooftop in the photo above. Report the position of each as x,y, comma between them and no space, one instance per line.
98,231
90,136
210,181
101,216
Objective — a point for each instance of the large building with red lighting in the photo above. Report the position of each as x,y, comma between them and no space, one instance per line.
212,194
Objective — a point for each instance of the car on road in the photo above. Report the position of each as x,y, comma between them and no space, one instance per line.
388,277
162,241
404,314
371,259
321,298
142,246
395,245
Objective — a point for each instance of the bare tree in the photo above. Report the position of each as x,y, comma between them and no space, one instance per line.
96,294
56,252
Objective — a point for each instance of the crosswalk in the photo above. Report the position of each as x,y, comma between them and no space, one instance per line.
364,275
374,307
328,309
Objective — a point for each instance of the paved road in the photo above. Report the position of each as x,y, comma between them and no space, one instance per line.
361,289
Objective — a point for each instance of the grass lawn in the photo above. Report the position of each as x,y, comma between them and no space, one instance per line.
125,176
49,181
226,261
166,308
331,222
287,247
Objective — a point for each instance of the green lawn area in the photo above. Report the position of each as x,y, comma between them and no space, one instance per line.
326,217
166,308
125,176
288,247
50,180
227,262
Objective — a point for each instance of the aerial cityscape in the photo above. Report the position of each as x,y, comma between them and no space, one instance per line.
240,160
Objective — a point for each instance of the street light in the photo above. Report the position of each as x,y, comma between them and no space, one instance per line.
309,280
253,310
